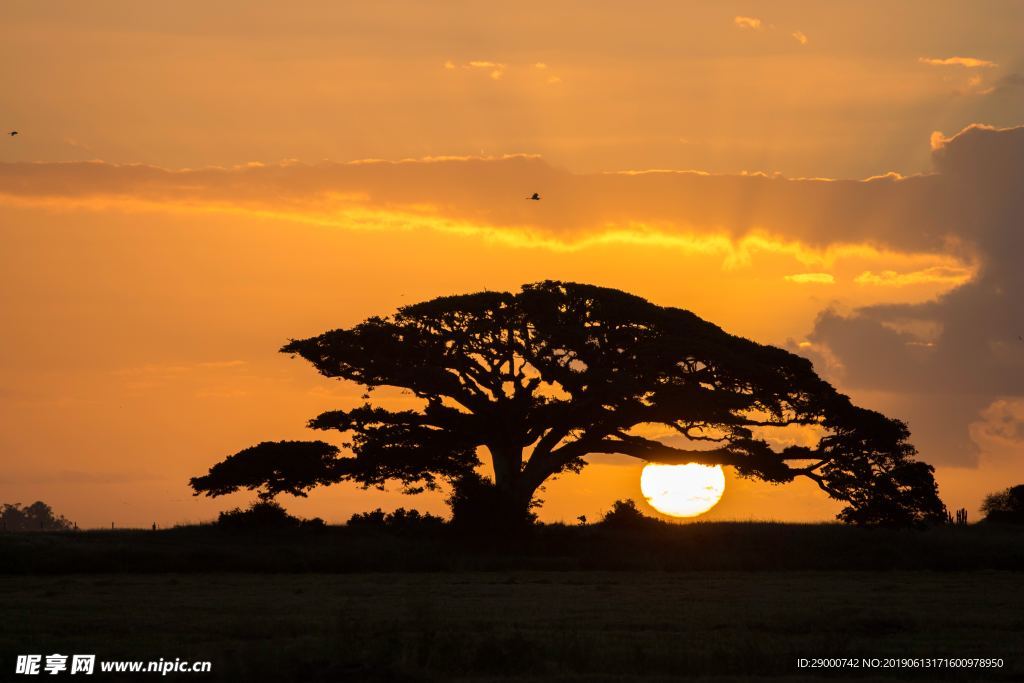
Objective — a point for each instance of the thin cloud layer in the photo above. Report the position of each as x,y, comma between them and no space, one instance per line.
755,24
934,274
966,62
490,192
811,278
497,70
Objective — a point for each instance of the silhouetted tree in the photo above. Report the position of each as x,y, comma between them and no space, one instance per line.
35,517
1005,506
538,379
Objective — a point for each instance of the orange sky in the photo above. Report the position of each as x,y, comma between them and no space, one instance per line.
143,302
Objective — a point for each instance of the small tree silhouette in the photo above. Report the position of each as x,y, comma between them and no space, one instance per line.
625,514
1005,506
539,379
35,517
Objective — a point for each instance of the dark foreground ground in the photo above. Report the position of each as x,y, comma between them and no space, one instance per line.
722,602
614,626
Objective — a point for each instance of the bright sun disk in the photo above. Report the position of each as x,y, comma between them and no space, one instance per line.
682,490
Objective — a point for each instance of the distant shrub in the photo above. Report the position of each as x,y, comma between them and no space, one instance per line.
35,517
399,520
625,514
259,515
1005,506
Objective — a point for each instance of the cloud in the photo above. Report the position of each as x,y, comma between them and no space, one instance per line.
1007,84
939,140
935,274
752,23
814,220
1000,427
496,69
755,24
811,278
1011,81
972,355
966,62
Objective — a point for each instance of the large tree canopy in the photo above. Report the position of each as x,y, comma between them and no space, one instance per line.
538,379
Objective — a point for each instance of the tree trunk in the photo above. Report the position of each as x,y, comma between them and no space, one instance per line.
507,461
501,507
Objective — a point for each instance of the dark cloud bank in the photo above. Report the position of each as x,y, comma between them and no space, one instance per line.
948,359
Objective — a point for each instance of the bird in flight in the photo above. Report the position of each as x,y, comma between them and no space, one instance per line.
535,197
13,133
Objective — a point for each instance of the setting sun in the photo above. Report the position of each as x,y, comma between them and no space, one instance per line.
682,490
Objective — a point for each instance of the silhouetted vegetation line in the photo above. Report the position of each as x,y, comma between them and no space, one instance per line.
423,544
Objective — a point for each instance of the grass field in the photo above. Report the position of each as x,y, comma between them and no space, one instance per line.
524,625
716,601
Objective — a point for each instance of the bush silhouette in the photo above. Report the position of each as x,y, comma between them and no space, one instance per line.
624,514
1005,506
265,514
400,520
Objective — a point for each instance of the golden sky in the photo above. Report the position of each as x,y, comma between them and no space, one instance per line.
193,185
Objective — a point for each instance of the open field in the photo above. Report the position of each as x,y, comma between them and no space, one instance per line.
726,601
612,626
